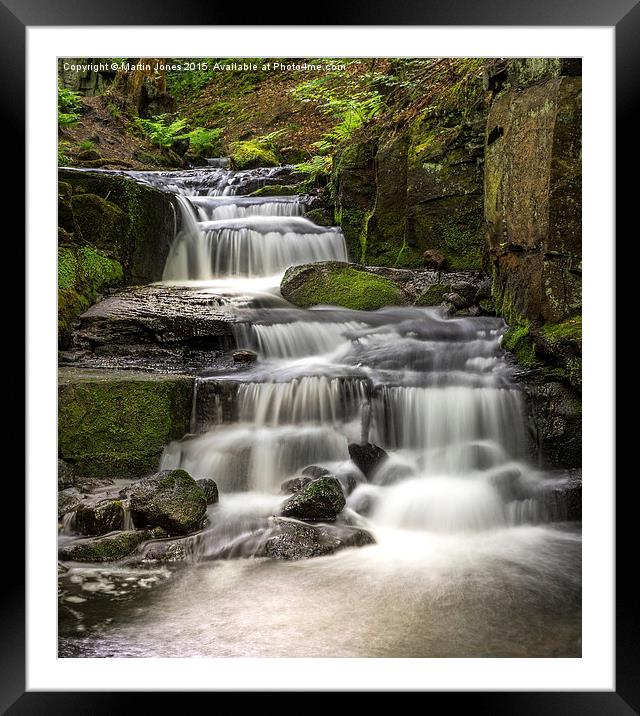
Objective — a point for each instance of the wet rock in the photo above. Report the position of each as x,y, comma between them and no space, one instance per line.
65,475
568,496
171,499
321,499
110,548
434,259
366,457
295,484
244,356
210,490
171,551
68,500
315,471
456,299
291,540
99,518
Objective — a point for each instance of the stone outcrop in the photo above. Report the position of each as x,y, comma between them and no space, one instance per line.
533,200
419,190
112,230
367,288
116,423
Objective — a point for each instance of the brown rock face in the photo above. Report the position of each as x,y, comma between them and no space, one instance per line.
533,200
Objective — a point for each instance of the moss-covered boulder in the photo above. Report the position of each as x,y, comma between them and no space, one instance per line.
99,518
252,153
320,499
292,540
172,499
116,423
277,190
110,548
339,284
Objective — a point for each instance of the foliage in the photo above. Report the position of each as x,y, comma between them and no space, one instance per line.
63,158
86,145
317,169
69,106
204,141
162,131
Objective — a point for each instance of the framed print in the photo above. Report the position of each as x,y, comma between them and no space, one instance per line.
313,381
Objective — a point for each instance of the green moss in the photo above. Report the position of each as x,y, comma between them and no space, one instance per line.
568,330
251,153
277,190
116,425
83,273
518,340
339,285
322,217
434,295
101,222
108,549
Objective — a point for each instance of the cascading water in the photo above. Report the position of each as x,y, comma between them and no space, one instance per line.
471,555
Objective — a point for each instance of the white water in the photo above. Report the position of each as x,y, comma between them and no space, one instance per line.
470,559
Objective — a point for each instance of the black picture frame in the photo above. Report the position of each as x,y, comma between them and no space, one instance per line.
624,15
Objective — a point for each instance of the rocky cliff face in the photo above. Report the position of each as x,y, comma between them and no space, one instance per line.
418,190
533,200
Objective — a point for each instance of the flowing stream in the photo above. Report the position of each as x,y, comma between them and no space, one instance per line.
474,555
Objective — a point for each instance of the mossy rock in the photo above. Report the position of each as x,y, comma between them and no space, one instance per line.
322,217
100,518
519,341
250,154
83,274
320,499
172,499
277,190
111,548
116,423
434,294
339,284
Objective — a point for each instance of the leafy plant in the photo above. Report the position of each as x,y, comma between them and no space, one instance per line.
63,157
86,145
161,131
204,141
69,106
317,168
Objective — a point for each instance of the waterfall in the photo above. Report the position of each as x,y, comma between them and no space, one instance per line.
435,393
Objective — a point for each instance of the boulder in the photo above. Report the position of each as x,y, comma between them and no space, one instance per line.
210,490
340,284
321,499
315,471
99,518
110,548
171,499
434,260
291,540
366,457
295,484
244,356
68,500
